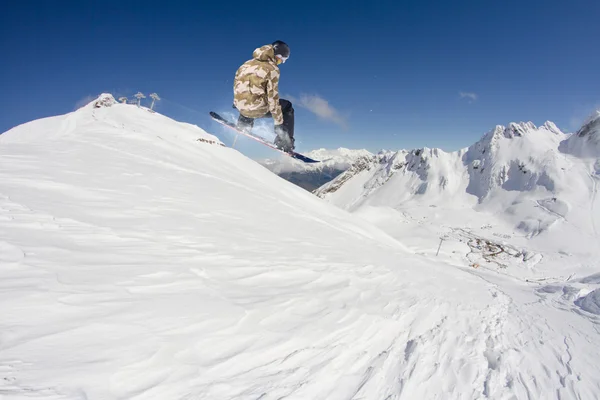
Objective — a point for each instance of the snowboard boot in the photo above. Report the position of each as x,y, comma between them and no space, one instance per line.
245,124
284,143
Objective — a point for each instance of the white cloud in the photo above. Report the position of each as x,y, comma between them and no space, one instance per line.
85,101
320,107
468,95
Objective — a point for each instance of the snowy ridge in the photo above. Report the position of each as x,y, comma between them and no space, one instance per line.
413,170
137,262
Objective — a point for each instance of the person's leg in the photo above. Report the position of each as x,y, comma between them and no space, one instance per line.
288,117
285,138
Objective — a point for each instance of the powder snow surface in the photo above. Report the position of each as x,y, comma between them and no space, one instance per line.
138,262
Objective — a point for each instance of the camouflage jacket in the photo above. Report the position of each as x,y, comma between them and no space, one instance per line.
256,86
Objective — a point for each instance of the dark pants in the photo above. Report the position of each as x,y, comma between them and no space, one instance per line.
288,119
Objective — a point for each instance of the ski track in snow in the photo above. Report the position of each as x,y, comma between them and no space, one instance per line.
549,211
140,267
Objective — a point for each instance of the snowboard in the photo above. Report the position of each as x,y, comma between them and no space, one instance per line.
233,126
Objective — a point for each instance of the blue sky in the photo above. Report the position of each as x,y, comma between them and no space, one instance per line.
391,72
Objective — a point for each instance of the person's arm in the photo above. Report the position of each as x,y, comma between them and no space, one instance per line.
273,96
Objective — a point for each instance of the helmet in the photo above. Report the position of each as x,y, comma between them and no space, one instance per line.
281,49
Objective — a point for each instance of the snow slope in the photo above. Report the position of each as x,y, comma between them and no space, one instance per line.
313,176
140,259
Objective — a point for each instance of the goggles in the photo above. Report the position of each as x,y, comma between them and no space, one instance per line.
280,59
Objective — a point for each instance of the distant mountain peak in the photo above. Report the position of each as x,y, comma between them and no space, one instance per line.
586,141
551,126
514,129
591,126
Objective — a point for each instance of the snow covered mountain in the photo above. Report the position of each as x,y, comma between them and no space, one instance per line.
477,170
527,174
142,259
313,176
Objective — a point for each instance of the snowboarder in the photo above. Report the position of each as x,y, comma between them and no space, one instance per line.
256,93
